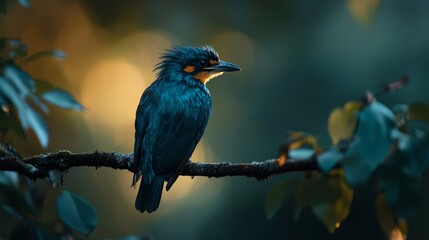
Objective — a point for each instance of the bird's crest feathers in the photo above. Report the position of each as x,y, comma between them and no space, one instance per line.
184,55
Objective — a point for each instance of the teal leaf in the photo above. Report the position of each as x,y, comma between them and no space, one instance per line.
62,99
9,178
401,191
24,3
13,95
22,81
58,54
401,175
301,153
329,159
38,124
76,212
371,143
28,117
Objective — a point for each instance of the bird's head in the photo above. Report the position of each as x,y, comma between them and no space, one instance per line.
198,63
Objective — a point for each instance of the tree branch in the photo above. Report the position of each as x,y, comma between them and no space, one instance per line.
40,166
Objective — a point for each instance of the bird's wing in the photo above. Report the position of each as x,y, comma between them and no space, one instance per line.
144,135
178,137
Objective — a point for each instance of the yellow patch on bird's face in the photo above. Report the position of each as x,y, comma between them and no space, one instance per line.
189,69
213,62
205,76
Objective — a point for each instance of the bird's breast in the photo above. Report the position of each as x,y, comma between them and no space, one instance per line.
186,98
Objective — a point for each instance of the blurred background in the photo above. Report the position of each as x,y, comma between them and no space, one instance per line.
299,59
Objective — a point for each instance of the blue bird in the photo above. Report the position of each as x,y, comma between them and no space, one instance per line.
171,118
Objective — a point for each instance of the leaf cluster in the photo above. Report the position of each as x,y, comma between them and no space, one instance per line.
23,99
369,140
22,203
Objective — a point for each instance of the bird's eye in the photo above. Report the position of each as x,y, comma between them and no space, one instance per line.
203,63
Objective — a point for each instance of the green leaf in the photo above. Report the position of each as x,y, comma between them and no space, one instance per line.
332,214
62,99
76,212
419,111
371,143
277,195
330,198
58,54
315,190
342,121
329,159
3,8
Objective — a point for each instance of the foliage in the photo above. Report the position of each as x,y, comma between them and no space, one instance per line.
74,211
21,99
370,140
19,92
22,203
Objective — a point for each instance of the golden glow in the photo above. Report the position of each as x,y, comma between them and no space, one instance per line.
143,48
236,47
205,76
83,42
189,69
363,10
111,91
396,234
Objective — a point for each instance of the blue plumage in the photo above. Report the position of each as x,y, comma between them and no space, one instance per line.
171,118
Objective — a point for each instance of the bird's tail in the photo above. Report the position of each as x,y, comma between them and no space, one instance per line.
149,194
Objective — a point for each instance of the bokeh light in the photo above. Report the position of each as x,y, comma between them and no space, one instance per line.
236,47
111,92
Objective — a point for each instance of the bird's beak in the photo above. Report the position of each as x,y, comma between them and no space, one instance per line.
223,66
